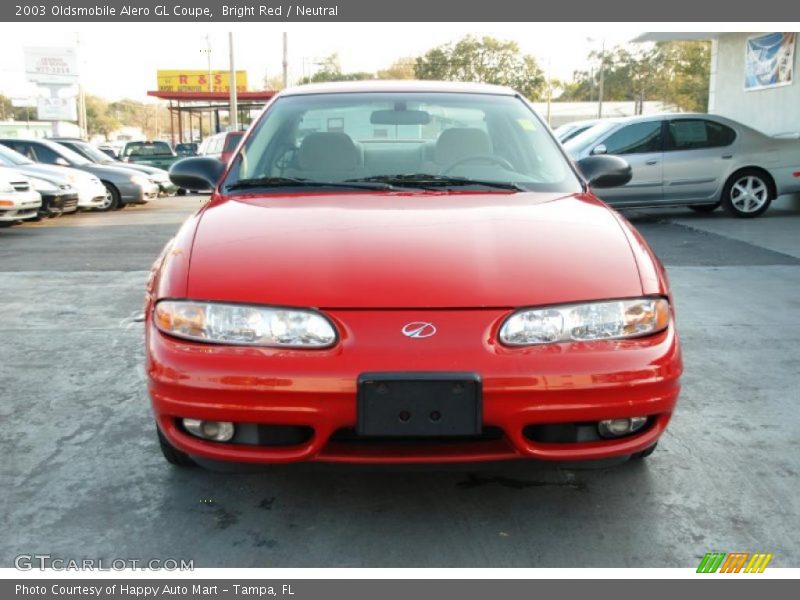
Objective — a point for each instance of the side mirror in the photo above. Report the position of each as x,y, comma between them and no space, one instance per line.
599,149
197,172
62,162
605,171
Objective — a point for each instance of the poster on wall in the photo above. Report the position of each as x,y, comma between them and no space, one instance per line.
769,60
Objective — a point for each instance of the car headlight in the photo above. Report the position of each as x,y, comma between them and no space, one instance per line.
42,185
6,188
218,323
612,320
140,180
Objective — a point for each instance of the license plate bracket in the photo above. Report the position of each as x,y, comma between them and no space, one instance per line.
419,404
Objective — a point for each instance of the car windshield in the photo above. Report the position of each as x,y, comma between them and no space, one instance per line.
72,157
580,141
147,149
402,140
92,153
10,157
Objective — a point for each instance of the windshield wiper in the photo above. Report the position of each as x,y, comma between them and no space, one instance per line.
425,181
280,182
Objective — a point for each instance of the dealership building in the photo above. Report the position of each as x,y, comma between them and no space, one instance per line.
754,77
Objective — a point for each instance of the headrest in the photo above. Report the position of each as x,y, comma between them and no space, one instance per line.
461,142
327,151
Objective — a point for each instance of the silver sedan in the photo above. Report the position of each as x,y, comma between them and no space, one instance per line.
696,160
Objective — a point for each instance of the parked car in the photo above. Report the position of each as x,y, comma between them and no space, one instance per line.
566,132
123,186
186,149
155,154
18,200
407,272
697,160
109,151
158,176
54,184
221,145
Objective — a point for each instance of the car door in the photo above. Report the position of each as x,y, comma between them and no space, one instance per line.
697,159
641,144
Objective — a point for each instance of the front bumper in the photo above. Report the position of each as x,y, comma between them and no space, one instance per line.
25,206
91,195
58,203
167,188
555,384
132,193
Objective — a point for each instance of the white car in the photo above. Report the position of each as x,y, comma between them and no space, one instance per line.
91,191
18,200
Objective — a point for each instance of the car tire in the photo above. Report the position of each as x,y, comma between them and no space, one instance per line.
704,208
112,200
644,453
181,192
747,193
172,455
7,224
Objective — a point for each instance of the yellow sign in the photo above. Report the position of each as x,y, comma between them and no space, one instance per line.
197,81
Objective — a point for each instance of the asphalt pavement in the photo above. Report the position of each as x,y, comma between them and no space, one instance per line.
82,476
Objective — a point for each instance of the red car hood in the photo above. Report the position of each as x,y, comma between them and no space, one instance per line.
366,250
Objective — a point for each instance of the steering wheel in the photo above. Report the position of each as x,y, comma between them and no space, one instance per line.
498,160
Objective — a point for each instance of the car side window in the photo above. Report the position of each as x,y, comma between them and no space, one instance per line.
22,148
636,138
45,154
695,134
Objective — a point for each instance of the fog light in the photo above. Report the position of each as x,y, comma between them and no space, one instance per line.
216,431
612,428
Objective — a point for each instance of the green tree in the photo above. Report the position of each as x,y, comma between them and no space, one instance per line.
675,73
483,60
402,68
331,70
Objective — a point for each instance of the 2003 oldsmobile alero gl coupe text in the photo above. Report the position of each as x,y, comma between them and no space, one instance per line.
407,272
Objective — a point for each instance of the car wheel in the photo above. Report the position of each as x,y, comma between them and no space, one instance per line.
644,453
172,454
111,201
7,223
747,194
704,208
181,192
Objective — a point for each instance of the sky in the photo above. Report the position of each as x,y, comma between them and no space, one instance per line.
120,60
116,61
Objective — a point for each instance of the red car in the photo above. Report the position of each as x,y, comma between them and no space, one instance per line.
407,272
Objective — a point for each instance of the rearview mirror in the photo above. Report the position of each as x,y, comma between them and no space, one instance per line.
400,117
605,171
197,172
599,149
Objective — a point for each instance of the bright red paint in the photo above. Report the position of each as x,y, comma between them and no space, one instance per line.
375,261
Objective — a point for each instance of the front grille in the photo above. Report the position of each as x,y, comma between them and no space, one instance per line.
21,186
350,436
70,201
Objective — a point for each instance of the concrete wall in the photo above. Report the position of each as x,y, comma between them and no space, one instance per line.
772,110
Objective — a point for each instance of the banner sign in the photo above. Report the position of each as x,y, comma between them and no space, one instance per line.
769,60
197,81
54,66
57,109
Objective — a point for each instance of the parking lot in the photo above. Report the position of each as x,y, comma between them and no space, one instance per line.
82,475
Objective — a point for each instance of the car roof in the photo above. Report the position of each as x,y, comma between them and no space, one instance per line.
351,87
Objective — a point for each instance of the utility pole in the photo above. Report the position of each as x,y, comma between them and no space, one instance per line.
285,60
234,118
208,57
602,80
